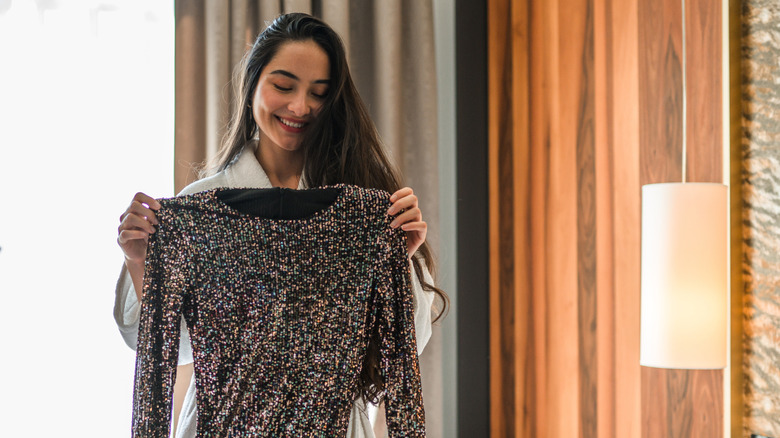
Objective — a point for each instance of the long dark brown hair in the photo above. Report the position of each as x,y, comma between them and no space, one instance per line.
341,145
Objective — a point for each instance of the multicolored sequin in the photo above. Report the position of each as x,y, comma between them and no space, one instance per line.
280,313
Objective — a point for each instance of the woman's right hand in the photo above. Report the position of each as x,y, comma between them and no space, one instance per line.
135,226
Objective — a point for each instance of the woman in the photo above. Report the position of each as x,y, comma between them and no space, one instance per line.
298,122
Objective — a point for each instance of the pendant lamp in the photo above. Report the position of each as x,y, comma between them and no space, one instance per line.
684,278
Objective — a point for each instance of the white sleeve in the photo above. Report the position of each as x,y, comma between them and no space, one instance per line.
127,314
423,301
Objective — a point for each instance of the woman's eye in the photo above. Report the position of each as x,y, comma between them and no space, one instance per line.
280,88
319,96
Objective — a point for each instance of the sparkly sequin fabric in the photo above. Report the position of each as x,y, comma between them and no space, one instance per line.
279,312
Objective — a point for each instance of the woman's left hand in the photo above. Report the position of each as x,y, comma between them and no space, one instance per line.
410,219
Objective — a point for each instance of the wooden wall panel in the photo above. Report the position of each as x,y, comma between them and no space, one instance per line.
586,106
561,317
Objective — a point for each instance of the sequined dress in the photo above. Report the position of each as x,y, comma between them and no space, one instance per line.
279,313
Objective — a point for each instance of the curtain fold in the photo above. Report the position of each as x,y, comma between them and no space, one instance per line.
390,47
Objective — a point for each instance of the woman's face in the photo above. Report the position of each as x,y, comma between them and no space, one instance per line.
290,93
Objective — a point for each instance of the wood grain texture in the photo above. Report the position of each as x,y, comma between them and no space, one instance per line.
501,199
562,343
625,134
596,111
704,91
660,91
587,301
564,174
543,134
525,369
603,104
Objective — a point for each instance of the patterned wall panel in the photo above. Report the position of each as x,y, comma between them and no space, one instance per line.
761,214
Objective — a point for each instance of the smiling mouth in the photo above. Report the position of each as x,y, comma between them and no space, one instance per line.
291,124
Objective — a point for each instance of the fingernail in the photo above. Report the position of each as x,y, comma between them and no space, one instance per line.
390,211
393,224
392,198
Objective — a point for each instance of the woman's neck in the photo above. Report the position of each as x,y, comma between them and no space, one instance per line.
282,167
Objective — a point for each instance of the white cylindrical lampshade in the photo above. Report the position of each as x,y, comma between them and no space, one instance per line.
684,275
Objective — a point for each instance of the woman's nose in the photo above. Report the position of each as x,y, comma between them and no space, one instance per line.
300,105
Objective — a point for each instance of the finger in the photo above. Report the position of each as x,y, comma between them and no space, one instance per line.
412,215
140,209
400,193
415,226
146,199
406,202
135,222
128,235
143,211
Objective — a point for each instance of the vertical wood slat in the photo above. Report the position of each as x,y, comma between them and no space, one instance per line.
704,163
605,209
542,134
586,194
501,199
511,333
660,127
524,369
624,128
704,91
561,343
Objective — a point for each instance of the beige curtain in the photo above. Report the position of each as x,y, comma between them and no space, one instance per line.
390,45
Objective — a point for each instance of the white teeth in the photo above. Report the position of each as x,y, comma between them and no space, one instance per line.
291,124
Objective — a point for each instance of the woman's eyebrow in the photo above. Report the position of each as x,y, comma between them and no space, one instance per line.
292,76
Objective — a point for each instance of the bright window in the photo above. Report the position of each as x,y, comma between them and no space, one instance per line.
86,120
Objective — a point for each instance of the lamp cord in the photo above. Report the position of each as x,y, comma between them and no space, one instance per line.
684,98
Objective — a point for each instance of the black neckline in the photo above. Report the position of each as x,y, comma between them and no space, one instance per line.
214,196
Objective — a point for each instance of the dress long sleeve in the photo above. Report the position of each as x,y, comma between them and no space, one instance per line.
167,277
398,352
